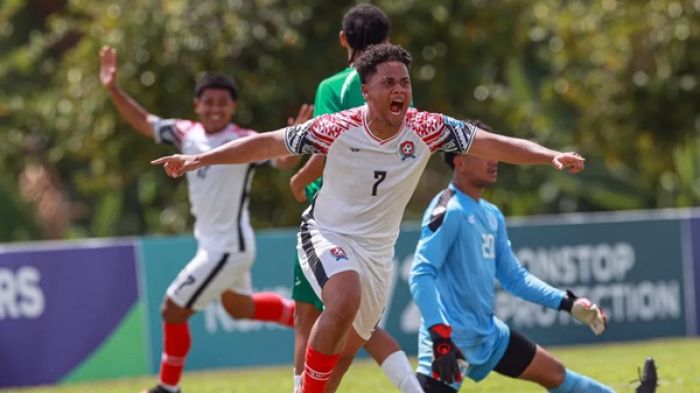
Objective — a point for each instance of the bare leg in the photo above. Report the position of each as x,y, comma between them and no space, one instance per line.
353,343
238,306
341,297
544,370
305,315
381,345
551,374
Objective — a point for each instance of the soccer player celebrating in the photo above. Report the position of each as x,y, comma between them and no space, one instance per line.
375,155
462,248
363,25
219,200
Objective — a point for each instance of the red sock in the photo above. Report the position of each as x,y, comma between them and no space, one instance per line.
176,344
272,307
317,369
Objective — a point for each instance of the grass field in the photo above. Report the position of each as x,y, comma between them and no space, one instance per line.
678,362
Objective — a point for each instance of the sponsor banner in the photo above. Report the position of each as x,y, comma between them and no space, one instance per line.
58,304
634,270
217,339
694,267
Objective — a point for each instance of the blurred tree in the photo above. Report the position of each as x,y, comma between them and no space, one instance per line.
617,81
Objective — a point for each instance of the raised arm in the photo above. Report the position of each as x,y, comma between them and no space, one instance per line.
259,147
521,151
305,114
128,108
312,170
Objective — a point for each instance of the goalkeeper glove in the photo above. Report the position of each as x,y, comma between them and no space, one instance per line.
585,311
445,355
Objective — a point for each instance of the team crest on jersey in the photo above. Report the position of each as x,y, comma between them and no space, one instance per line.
407,149
339,253
493,222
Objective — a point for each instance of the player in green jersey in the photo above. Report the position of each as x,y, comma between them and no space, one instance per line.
363,25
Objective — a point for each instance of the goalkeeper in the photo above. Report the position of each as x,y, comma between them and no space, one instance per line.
462,248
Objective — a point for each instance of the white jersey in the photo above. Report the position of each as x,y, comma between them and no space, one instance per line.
368,182
218,193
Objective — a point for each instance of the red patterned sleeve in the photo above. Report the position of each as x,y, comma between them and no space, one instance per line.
441,132
318,134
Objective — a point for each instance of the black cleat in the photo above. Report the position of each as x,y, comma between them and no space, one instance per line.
648,381
160,389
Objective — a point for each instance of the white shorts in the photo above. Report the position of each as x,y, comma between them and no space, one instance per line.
323,254
208,275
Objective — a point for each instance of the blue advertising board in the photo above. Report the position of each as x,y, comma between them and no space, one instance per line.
58,304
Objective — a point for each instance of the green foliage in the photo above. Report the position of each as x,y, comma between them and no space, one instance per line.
616,81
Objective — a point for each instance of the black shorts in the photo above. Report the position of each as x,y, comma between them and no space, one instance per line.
518,355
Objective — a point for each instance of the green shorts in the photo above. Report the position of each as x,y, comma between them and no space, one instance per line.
302,291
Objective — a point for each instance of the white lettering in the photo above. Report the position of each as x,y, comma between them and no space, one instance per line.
31,302
20,293
8,295
582,264
645,301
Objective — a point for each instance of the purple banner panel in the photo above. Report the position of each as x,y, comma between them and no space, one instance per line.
695,247
58,304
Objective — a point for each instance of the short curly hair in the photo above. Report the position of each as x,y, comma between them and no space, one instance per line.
365,25
449,158
367,64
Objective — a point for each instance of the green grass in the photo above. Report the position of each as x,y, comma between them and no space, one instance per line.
614,364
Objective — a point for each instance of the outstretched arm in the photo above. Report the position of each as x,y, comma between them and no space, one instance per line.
521,151
518,281
259,147
128,108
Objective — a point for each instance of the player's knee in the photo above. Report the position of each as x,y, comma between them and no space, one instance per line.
342,316
172,313
343,308
557,375
237,306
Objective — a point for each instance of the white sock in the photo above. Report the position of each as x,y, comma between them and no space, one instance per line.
397,367
297,381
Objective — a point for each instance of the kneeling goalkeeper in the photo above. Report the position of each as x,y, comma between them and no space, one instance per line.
462,248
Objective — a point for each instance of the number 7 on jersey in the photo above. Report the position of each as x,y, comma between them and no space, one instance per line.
379,176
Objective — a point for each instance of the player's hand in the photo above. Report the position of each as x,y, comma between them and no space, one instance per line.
306,112
585,311
177,164
590,314
574,162
297,188
108,66
446,355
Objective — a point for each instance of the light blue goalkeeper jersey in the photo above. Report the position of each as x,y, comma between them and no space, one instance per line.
463,247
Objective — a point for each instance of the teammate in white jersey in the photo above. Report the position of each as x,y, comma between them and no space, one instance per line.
219,202
375,155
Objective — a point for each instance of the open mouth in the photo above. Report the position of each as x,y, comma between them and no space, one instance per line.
396,106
